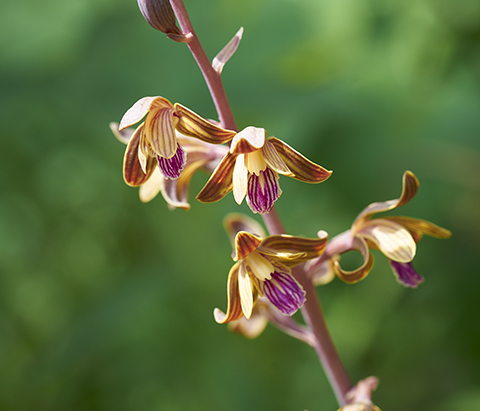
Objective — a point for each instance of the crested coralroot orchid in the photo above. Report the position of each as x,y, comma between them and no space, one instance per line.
263,269
251,169
154,142
263,311
396,237
200,156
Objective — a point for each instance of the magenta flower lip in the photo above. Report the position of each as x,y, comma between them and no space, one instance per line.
263,269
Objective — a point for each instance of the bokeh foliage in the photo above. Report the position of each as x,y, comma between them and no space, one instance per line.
106,303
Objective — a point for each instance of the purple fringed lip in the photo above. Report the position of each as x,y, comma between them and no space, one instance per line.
284,293
263,190
406,275
172,167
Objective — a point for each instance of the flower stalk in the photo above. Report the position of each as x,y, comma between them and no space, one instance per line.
311,310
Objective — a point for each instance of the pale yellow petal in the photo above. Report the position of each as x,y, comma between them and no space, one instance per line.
245,290
149,190
394,241
259,266
240,179
135,113
248,140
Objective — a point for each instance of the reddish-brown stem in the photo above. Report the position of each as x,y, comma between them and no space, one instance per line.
311,310
324,346
212,78
313,315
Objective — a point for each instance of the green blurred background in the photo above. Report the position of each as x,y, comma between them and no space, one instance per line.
106,303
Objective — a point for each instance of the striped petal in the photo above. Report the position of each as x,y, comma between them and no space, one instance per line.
410,188
245,243
220,182
160,132
191,124
274,160
287,248
236,222
248,140
234,307
301,168
139,110
361,272
132,169
419,227
240,179
394,241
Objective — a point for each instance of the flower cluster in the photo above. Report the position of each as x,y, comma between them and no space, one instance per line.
160,149
171,143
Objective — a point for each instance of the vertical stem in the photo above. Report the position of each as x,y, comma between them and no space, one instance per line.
324,346
313,315
311,310
212,77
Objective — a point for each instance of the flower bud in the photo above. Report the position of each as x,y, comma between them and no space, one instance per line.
159,14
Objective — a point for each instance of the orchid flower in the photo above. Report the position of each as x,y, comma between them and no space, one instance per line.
200,156
395,237
263,269
154,142
263,311
251,169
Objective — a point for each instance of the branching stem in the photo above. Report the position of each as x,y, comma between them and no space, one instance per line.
312,311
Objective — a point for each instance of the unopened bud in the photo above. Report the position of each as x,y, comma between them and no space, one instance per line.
159,14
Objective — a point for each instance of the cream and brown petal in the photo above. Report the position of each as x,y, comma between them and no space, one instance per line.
158,138
263,269
251,170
